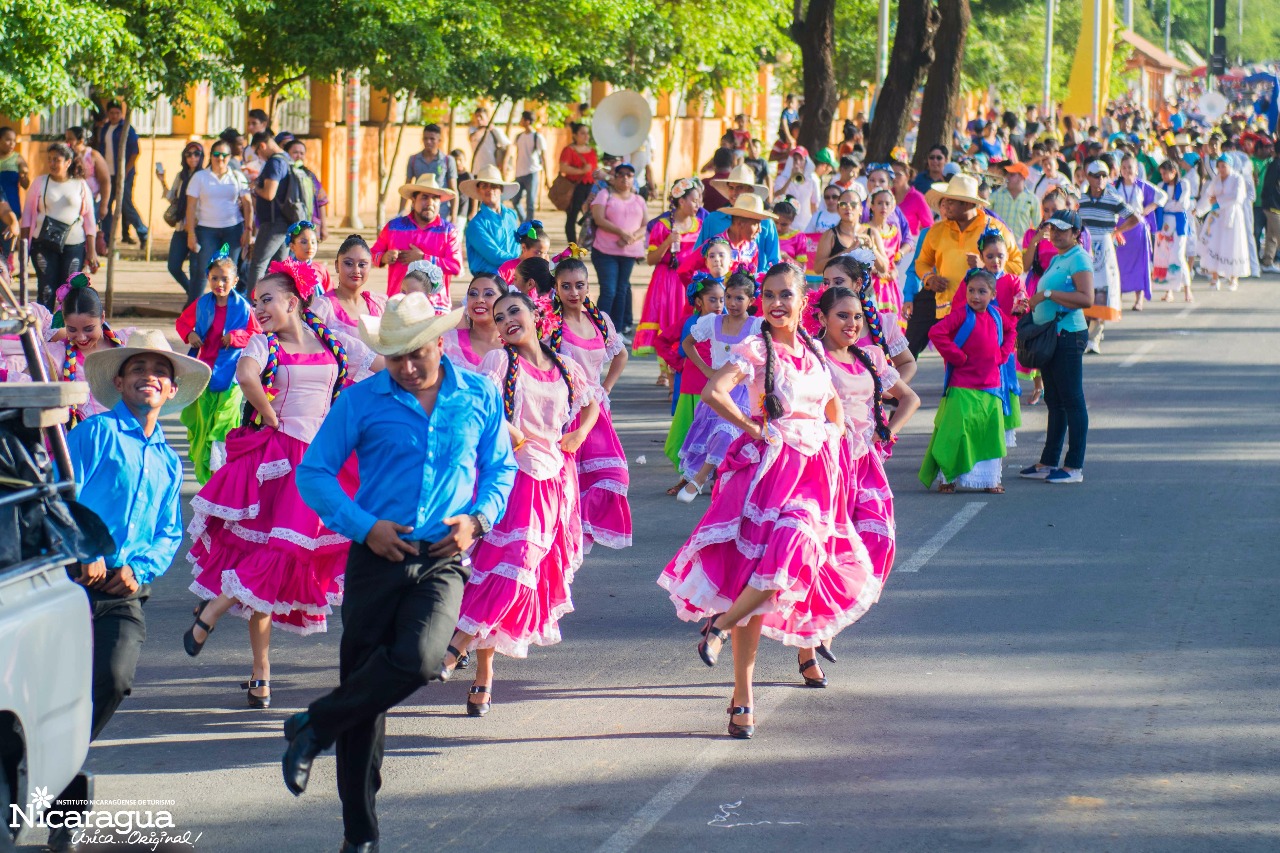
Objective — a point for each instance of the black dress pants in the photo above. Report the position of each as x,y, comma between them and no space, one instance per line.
924,314
397,620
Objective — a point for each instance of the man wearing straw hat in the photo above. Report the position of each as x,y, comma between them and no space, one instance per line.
740,183
944,253
421,233
436,469
491,233
126,445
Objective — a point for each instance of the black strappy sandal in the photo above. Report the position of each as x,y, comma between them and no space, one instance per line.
812,682
737,731
257,684
704,651
189,639
478,709
464,662
825,651
445,671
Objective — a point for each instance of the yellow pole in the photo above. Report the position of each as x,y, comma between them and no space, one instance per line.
151,186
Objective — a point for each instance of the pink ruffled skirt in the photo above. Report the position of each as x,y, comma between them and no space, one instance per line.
710,436
664,308
773,524
866,495
604,479
522,568
255,540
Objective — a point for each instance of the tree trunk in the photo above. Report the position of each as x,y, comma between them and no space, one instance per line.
940,105
815,35
384,185
117,214
911,55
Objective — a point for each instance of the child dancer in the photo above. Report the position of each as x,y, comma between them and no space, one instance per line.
1170,269
85,331
588,337
257,549
533,278
766,557
672,237
886,244
862,376
350,300
534,243
793,244
710,435
467,347
522,568
304,243
969,429
217,326
1011,299
706,296
425,277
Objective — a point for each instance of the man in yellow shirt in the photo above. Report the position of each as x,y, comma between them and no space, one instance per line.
944,253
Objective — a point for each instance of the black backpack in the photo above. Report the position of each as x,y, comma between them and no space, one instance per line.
290,200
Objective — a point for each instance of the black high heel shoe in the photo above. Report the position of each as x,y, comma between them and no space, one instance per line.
257,702
737,731
478,709
464,662
445,671
825,651
189,639
704,651
812,682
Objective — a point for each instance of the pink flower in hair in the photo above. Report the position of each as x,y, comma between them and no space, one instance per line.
809,319
548,320
304,275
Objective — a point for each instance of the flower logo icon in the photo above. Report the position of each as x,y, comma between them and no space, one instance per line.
41,799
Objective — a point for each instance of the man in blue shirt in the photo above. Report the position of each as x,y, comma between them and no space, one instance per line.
436,469
740,182
127,474
491,233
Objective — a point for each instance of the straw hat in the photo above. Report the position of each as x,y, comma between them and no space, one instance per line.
409,322
960,188
488,175
426,184
749,206
191,375
741,174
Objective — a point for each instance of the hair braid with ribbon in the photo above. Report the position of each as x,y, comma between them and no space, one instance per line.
829,299
513,362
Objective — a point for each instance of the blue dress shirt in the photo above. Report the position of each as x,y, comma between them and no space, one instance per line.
415,469
134,484
491,239
716,223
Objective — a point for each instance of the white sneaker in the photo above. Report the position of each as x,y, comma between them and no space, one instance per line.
1271,269
1062,475
1093,346
689,492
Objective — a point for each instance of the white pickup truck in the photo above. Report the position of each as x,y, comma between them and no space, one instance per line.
46,639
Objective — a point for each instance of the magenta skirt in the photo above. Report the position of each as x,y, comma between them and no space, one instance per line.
522,568
604,480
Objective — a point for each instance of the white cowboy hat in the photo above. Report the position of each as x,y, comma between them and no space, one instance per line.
409,322
190,375
749,206
741,174
488,175
426,184
960,187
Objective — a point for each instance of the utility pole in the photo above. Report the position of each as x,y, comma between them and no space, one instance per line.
1046,94
1097,62
1168,25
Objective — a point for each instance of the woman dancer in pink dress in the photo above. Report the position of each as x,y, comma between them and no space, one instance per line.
85,330
588,337
467,347
673,236
862,376
522,568
257,549
768,557
351,299
886,243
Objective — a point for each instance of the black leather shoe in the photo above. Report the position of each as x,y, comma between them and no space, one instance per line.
737,731
812,682
366,847
708,631
825,651
479,709
189,639
302,750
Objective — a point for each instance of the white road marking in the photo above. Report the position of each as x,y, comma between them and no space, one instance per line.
1185,312
644,820
1136,355
926,551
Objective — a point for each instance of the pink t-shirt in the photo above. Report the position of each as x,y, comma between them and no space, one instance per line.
629,215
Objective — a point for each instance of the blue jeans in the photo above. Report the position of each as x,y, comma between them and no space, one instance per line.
528,193
210,240
614,274
1064,398
179,255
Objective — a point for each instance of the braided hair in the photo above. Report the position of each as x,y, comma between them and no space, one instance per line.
772,405
597,318
321,331
513,362
537,272
82,299
862,274
825,304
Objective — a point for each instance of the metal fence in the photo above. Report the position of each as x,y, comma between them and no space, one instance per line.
158,119
226,112
294,116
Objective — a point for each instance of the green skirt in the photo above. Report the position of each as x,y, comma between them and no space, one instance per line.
968,429
680,423
1013,420
209,419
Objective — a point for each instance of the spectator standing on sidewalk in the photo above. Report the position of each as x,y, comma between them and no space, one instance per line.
121,151
219,212
531,154
432,160
176,195
272,225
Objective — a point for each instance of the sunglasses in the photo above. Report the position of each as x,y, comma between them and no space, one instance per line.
193,154
936,157
831,197
846,205
220,155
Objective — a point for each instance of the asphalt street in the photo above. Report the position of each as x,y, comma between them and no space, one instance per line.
1060,668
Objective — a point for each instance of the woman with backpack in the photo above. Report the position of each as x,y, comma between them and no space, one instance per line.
175,216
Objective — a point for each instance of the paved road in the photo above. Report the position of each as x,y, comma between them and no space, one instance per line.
1075,668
